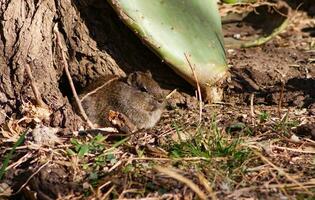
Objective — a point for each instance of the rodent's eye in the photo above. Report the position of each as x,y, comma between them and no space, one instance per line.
143,88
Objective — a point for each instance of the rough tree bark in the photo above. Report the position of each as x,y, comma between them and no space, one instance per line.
96,42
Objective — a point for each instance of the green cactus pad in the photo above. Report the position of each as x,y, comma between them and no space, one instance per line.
175,28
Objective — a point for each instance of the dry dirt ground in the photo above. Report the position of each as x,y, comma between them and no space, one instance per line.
259,143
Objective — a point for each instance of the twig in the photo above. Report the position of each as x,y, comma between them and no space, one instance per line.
294,150
171,159
66,67
308,142
29,178
145,198
282,81
103,185
282,187
252,109
171,94
282,172
291,186
207,186
98,88
20,161
281,98
108,192
198,87
172,173
114,167
37,95
121,195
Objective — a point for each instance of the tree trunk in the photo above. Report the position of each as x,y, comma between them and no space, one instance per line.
95,41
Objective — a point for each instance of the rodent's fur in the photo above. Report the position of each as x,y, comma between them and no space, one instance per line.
137,96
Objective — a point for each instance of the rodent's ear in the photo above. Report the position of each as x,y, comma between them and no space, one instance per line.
130,78
148,73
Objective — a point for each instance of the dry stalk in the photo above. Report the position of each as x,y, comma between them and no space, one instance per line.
98,88
281,171
115,166
293,150
252,109
282,81
172,173
207,186
170,94
198,87
29,178
170,159
103,185
308,142
311,142
282,187
291,186
37,95
66,67
147,198
105,196
20,161
280,98
127,191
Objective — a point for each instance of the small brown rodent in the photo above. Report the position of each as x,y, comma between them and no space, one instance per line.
138,97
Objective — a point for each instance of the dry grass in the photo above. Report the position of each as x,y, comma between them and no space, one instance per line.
218,160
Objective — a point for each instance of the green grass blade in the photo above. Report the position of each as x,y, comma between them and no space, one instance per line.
10,154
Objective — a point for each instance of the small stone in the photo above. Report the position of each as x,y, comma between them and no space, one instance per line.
44,135
295,138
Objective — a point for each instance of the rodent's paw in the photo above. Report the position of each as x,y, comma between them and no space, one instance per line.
121,122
